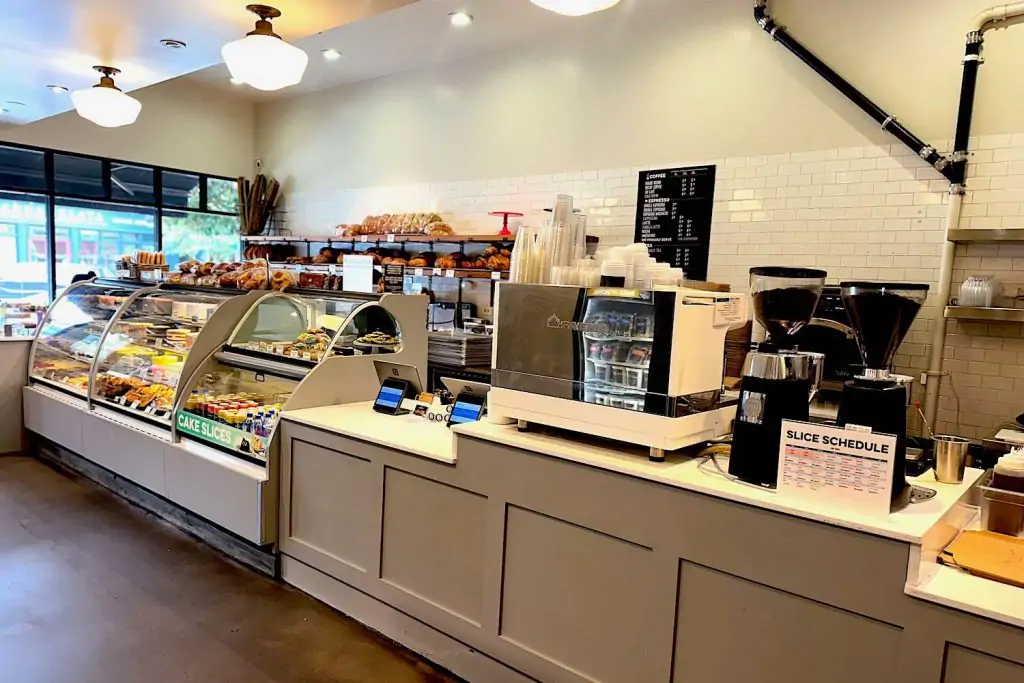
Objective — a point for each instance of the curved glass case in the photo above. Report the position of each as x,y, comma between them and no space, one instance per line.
142,356
304,328
235,398
70,335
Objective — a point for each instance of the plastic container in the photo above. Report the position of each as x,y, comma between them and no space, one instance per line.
589,273
614,273
1002,495
978,291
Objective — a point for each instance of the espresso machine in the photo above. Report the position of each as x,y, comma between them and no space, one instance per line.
778,381
881,315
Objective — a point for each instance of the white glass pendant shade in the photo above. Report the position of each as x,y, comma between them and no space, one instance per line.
105,105
265,62
575,8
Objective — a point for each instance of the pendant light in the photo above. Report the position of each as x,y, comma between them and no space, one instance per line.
104,104
575,8
262,59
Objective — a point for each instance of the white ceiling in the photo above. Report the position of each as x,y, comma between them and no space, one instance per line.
417,35
59,41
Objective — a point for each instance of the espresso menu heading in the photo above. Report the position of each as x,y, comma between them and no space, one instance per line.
673,216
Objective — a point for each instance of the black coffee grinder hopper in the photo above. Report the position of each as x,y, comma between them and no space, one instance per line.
881,314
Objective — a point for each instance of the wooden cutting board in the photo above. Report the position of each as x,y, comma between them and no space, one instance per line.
989,555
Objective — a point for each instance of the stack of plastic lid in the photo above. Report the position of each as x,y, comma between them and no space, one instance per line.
661,275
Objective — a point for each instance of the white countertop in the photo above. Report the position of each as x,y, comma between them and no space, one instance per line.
407,433
910,525
957,589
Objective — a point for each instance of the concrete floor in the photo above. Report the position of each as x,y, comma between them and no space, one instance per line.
94,590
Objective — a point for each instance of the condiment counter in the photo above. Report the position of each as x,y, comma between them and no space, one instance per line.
14,353
526,556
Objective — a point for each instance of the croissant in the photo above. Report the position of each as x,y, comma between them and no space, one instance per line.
446,262
499,263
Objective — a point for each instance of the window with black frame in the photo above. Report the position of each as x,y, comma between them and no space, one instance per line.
64,214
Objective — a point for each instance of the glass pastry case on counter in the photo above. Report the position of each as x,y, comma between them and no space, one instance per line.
236,396
68,339
145,349
303,328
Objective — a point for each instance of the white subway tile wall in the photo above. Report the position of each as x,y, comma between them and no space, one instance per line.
869,213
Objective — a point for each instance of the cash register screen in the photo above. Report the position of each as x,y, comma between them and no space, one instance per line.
463,412
390,396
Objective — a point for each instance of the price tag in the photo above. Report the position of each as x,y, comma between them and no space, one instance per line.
449,273
437,271
135,405
391,238
418,272
332,270
151,409
121,400
496,275
363,238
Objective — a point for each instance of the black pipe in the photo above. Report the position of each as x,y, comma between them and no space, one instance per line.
965,115
886,120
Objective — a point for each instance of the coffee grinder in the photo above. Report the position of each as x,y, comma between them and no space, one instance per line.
779,381
881,314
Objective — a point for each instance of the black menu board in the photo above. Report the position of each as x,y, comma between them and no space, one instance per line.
673,216
394,279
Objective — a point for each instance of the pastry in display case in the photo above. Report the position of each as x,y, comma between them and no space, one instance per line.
236,396
70,335
236,409
300,329
143,354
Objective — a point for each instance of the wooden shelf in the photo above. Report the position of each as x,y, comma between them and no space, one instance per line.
990,236
989,315
458,273
376,239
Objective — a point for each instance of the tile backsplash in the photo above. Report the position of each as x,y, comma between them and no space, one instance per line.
871,213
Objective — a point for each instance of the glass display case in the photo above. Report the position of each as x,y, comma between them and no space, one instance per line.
303,329
236,397
70,335
142,355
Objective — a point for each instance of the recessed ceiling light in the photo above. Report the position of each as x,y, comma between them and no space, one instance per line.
460,19
237,81
331,55
57,89
172,43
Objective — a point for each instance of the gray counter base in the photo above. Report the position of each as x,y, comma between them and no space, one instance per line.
421,638
262,560
570,574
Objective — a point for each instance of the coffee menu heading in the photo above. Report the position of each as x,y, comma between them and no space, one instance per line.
673,216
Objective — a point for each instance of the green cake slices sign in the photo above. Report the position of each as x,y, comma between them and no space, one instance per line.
208,430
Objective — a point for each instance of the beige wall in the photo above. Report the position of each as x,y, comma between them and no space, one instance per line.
182,125
670,79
